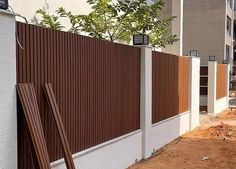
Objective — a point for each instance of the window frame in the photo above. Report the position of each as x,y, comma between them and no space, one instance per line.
227,52
229,25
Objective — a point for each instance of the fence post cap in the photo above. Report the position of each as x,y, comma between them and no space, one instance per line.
143,46
212,61
194,57
2,11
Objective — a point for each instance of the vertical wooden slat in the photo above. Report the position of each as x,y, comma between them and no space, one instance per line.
61,131
31,112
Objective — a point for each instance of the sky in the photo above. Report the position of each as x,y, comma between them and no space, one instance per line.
27,8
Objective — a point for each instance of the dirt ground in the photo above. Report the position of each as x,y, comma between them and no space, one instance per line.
210,146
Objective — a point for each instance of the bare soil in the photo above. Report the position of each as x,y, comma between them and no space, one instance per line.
210,146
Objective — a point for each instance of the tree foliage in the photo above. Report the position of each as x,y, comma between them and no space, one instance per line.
117,21
46,19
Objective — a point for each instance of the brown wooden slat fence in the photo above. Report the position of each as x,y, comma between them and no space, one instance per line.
96,84
170,85
221,84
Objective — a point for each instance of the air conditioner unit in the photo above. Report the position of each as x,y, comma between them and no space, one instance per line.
4,4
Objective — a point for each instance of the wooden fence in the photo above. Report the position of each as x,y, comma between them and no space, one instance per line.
96,83
221,82
170,85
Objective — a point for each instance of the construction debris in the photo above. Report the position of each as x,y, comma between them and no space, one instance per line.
222,131
205,158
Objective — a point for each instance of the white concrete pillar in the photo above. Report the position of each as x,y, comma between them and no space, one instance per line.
8,122
212,77
146,99
194,90
181,27
228,84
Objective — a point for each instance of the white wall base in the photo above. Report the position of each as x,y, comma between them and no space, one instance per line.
221,105
115,154
166,131
124,151
203,100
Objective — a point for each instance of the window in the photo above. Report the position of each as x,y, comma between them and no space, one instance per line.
235,5
227,55
230,2
234,31
229,25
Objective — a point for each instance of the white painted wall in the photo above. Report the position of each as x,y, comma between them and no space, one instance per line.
221,105
115,154
166,131
8,124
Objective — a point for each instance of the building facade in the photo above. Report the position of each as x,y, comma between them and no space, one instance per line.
208,28
205,26
175,8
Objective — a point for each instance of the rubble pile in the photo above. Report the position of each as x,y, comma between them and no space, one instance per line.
222,131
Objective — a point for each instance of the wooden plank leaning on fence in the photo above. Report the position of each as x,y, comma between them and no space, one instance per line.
61,131
28,101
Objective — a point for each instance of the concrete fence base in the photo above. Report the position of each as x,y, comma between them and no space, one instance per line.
115,154
166,131
126,150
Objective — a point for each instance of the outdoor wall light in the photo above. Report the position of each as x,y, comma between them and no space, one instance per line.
212,58
194,53
4,4
140,39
